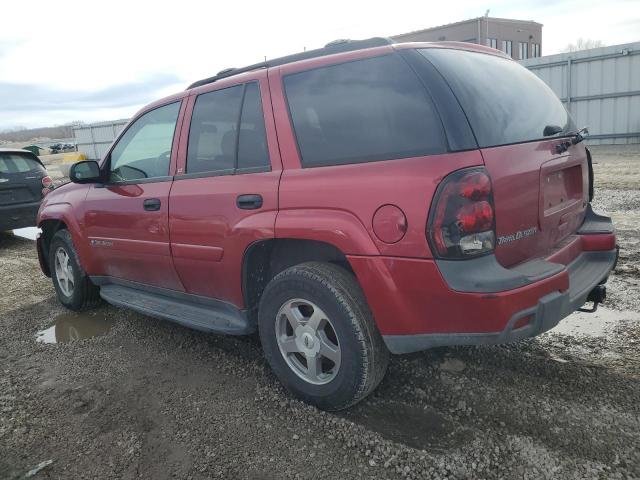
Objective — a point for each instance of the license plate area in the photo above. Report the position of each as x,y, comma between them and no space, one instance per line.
561,189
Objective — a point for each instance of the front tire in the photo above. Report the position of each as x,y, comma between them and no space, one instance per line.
319,335
73,287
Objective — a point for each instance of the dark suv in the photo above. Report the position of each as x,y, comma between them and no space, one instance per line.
23,183
347,202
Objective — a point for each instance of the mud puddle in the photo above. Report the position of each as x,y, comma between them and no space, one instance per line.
28,232
69,327
407,424
597,324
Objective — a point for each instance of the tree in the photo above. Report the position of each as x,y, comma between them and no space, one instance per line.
583,44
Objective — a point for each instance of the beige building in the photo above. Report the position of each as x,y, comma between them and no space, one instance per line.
519,38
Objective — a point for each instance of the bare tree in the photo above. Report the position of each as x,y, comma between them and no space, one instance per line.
583,44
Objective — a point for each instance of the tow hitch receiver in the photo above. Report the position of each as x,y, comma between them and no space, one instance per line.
597,295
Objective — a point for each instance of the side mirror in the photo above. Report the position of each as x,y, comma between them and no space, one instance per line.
85,172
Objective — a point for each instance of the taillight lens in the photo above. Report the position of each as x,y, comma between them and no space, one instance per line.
461,222
47,185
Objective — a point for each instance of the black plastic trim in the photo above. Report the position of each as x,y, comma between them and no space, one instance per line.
168,178
193,311
590,172
594,223
485,275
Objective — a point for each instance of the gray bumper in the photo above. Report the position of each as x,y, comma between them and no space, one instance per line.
585,272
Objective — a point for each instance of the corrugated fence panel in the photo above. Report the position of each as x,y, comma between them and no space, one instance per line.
600,87
95,139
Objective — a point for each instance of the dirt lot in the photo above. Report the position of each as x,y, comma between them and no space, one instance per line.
149,399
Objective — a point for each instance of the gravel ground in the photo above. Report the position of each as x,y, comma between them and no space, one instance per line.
149,399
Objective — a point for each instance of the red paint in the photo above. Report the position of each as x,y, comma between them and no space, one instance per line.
375,213
409,296
389,224
598,242
522,194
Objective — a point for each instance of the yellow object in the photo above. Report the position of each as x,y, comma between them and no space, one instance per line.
73,157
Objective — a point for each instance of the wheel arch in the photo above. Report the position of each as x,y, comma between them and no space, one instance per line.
48,227
264,259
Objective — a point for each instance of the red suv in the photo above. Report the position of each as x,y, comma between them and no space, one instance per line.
347,202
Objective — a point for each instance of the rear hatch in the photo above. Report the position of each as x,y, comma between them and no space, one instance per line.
540,195
20,178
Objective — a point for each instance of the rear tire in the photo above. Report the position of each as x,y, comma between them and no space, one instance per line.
335,356
73,287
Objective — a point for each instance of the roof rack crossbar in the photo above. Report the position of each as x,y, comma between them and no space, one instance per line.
331,48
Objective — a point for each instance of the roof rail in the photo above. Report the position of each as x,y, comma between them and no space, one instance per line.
337,46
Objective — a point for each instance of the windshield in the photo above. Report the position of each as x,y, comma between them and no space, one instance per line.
17,163
504,102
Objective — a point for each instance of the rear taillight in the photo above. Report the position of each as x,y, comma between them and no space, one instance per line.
47,185
461,222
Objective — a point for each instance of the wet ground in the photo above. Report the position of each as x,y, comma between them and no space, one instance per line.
114,394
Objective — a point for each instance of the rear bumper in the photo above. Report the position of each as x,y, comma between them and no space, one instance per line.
585,272
424,303
18,216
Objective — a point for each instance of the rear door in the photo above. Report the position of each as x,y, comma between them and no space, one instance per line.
20,178
225,193
127,219
540,194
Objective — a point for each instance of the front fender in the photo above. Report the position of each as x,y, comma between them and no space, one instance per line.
64,212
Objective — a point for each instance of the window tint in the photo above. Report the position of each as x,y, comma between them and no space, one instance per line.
504,102
18,163
252,143
361,111
144,151
212,135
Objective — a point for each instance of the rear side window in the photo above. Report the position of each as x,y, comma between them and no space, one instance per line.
362,111
504,102
227,132
18,163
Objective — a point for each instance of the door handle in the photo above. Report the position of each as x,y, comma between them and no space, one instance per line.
152,204
249,202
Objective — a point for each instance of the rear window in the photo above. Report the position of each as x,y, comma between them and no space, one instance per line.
505,102
18,163
362,111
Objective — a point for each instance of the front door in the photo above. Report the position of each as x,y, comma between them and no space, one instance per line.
127,218
225,193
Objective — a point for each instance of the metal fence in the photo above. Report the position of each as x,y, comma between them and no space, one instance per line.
600,87
95,139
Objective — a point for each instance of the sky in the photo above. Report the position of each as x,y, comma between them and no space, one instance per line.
68,60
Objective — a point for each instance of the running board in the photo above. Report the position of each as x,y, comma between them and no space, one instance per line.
191,311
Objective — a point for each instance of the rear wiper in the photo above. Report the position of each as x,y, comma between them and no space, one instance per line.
576,137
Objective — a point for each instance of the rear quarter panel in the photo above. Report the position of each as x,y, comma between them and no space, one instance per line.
349,195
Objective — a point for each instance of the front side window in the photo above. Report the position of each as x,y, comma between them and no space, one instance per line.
504,102
225,139
362,111
144,151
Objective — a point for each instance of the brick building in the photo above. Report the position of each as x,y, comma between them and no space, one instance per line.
519,38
